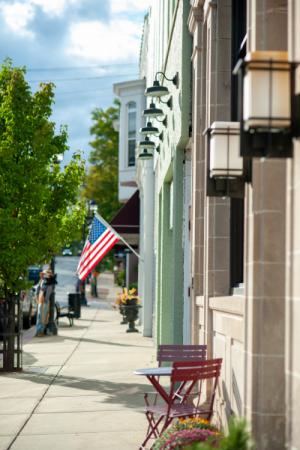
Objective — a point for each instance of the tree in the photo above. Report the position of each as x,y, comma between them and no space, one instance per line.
39,207
102,179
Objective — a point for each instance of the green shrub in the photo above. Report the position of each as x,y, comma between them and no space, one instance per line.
133,286
120,278
238,437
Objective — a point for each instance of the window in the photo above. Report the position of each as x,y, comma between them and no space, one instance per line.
171,206
237,205
131,122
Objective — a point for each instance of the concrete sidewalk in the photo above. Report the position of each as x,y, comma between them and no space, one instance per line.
78,390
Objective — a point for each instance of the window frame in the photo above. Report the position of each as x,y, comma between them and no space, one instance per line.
129,152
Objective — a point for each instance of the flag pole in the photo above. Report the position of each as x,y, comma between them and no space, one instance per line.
120,237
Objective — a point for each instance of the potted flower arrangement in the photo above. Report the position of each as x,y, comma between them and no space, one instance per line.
187,431
199,434
129,304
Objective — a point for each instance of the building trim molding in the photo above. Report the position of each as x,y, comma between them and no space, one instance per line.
233,304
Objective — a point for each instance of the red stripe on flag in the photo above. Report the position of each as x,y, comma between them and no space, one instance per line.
91,247
83,274
95,248
97,257
85,249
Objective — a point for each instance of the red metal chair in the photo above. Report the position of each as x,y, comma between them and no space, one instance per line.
174,352
177,352
187,380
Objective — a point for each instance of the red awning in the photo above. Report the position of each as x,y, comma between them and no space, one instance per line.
127,219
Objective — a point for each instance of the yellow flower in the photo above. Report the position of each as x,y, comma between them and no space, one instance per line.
126,295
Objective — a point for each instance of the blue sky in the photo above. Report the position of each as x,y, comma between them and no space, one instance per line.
83,46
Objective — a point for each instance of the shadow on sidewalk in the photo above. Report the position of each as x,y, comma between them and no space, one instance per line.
56,339
127,394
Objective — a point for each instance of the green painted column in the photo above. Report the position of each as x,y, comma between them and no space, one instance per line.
169,312
165,277
157,313
177,249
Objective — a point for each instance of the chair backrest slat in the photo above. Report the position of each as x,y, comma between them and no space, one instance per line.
192,370
181,352
190,375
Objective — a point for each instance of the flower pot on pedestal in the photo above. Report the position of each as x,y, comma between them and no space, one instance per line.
128,303
131,314
122,312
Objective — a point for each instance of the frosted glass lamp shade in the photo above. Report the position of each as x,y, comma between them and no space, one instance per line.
225,159
146,143
267,96
149,129
145,154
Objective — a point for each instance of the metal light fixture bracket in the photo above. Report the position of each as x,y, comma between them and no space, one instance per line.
164,121
175,79
169,102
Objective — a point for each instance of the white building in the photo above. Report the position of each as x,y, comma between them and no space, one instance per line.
131,95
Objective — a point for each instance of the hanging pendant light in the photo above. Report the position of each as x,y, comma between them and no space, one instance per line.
152,111
156,90
145,154
149,129
147,144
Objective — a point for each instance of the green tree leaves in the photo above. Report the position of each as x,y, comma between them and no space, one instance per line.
39,206
102,179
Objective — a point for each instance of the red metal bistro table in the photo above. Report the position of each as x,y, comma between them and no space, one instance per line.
153,374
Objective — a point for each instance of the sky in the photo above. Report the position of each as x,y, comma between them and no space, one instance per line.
83,46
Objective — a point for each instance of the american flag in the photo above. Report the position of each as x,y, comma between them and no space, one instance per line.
100,240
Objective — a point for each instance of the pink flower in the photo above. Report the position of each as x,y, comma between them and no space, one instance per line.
184,437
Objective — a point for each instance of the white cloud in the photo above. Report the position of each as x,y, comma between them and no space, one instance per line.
117,40
17,16
129,6
53,7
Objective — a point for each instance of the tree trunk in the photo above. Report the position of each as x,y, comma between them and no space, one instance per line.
10,320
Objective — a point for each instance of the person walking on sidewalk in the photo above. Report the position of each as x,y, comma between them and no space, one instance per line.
80,289
44,291
94,277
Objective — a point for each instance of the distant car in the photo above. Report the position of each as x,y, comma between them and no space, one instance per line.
29,310
34,273
67,252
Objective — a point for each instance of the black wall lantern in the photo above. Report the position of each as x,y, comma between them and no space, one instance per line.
147,144
145,154
153,112
268,107
159,91
148,154
149,129
224,165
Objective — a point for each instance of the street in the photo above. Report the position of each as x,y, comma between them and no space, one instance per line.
78,388
65,267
